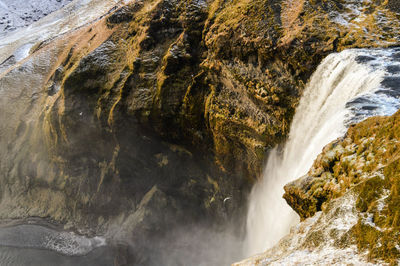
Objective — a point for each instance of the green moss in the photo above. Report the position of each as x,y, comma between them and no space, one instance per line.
370,191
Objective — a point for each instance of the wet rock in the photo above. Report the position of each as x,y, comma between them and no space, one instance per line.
394,69
391,82
363,58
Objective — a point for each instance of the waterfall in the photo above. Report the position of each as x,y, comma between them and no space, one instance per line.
347,87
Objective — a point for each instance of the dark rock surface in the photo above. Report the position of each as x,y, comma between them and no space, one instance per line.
394,5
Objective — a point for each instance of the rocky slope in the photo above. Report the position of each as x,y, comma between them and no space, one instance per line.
159,113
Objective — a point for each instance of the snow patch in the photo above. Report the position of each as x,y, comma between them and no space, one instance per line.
354,13
16,14
327,256
369,220
315,240
22,52
72,16
348,217
381,202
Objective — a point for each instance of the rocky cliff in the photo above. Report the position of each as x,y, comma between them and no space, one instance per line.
160,112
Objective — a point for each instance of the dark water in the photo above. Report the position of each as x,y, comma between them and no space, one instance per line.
15,256
29,244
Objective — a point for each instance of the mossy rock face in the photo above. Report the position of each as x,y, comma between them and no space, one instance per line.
366,163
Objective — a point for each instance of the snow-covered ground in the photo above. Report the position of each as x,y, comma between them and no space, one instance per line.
15,14
317,240
16,45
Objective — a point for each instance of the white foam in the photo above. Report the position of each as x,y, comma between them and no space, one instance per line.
69,243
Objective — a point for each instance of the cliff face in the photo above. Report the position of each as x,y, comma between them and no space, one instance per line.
159,113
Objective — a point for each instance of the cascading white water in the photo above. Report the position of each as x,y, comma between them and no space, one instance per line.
346,87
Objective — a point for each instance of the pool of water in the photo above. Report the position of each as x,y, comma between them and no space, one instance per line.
32,244
16,256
